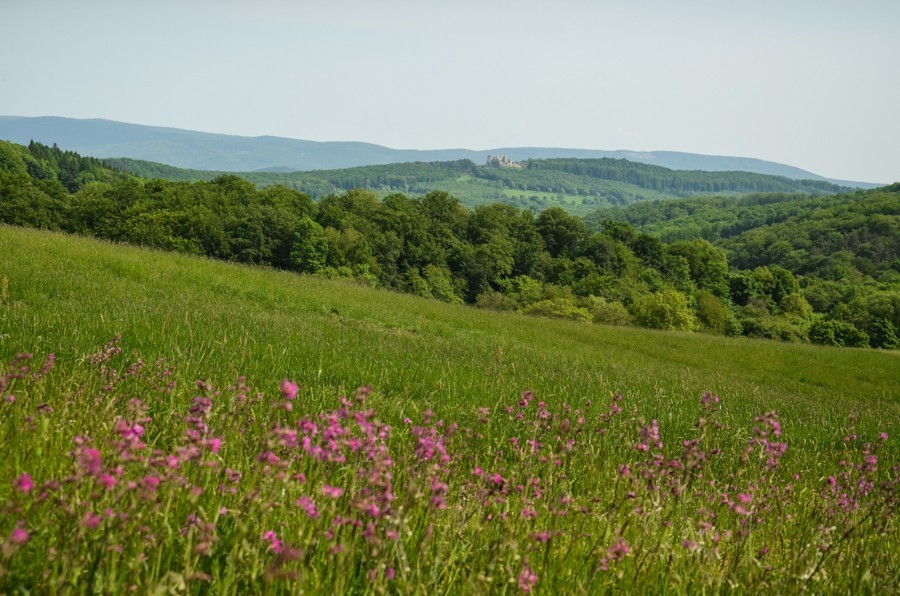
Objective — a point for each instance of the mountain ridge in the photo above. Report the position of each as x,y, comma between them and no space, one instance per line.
216,151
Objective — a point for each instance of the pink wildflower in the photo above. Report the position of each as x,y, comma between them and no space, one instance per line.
308,506
90,521
288,389
23,484
48,364
275,545
214,444
89,461
527,579
19,536
332,492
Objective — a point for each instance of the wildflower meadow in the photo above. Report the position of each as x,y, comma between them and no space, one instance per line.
212,430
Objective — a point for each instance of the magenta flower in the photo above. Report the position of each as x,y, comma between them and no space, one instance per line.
308,506
288,389
332,492
19,536
214,444
90,462
275,545
90,521
23,484
527,579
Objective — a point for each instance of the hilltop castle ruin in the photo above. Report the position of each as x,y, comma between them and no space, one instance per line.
501,161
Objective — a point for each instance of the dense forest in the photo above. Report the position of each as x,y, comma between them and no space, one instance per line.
845,249
495,256
576,185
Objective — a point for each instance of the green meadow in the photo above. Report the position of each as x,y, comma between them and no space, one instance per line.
69,295
446,530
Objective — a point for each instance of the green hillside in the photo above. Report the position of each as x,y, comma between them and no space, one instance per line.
204,485
576,185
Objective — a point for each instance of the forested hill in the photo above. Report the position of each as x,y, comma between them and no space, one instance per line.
494,256
576,185
835,237
844,248
220,152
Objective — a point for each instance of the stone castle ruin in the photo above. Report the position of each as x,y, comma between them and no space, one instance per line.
501,161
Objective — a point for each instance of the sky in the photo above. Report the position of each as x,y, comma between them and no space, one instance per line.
810,83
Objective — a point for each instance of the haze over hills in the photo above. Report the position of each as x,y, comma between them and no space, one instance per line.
209,151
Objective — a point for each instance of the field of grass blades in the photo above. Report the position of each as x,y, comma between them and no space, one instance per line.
189,433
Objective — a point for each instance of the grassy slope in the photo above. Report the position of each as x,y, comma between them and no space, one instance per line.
214,320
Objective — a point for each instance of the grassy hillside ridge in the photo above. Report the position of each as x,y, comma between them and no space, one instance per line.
221,320
576,185
192,149
124,471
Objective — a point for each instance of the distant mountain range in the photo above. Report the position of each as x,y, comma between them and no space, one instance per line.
208,151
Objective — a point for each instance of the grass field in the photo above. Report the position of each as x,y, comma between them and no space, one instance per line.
580,510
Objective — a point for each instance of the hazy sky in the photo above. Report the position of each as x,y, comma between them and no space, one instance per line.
815,84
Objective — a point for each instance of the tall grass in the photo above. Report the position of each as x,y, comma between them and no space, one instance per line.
608,472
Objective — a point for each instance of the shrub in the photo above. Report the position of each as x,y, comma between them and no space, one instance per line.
837,333
795,304
609,313
441,283
416,284
493,300
664,310
884,335
712,313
